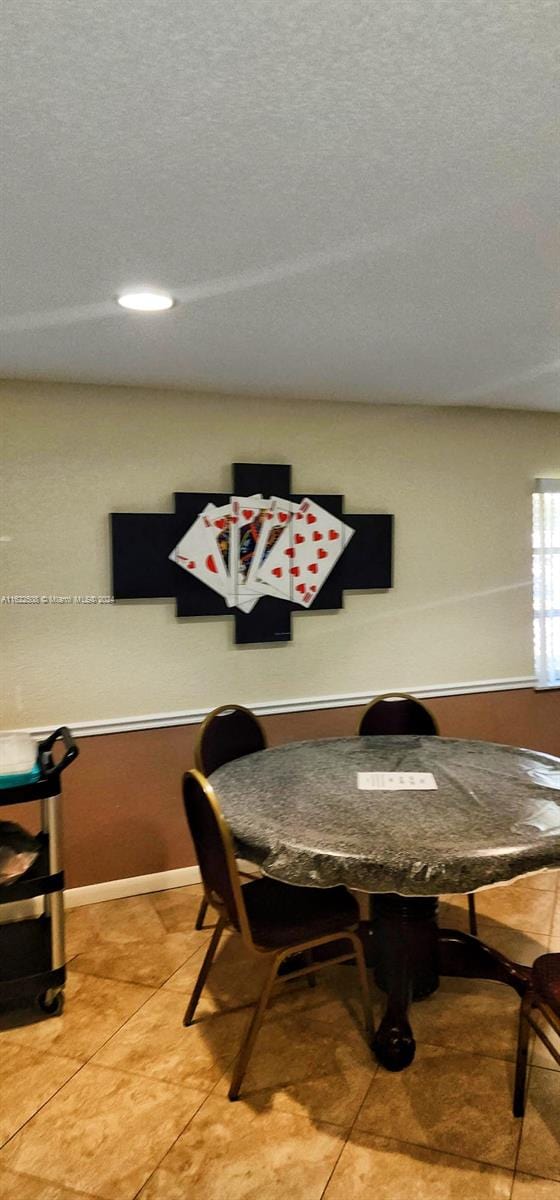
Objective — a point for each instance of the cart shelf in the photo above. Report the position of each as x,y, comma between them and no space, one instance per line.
37,881
25,960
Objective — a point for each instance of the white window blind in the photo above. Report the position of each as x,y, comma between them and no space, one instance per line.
546,581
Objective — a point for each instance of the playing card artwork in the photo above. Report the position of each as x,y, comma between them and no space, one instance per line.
255,547
205,552
275,525
248,515
197,553
260,544
305,554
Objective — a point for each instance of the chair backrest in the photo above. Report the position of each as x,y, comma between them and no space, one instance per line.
228,732
396,713
214,850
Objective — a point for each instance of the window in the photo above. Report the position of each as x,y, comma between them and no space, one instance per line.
546,581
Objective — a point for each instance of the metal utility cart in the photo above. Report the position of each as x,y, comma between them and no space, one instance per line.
32,963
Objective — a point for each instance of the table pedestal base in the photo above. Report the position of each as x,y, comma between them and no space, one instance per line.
408,953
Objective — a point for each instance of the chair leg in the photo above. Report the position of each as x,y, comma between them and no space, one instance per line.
521,1060
201,914
242,1060
203,973
364,985
473,927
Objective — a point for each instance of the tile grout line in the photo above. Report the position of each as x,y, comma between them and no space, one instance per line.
38,1110
512,1185
23,1045
169,1149
541,1067
156,1078
50,1183
133,982
531,1068
144,1078
423,1145
335,1165
350,1129
543,1178
480,1162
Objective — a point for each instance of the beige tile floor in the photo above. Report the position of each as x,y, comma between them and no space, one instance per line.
116,1100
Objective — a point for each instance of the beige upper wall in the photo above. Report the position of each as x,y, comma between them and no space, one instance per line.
458,481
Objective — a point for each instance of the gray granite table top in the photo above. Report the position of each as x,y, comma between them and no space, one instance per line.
296,811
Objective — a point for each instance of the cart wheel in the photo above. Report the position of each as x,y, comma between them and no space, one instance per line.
51,1002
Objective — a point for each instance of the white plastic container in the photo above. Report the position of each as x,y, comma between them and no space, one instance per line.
18,759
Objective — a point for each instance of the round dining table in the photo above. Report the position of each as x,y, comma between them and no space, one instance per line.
345,811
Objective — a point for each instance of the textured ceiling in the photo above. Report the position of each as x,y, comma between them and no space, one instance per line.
352,198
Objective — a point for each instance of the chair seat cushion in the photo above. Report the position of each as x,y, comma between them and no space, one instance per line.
546,980
282,915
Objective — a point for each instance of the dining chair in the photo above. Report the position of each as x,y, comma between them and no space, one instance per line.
227,733
274,920
543,995
397,712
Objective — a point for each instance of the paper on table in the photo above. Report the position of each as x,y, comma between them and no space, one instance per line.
396,781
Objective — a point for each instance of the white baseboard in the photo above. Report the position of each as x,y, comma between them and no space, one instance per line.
137,885
112,889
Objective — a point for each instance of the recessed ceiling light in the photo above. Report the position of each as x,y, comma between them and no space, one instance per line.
146,301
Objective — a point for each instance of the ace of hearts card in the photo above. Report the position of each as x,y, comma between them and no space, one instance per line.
197,553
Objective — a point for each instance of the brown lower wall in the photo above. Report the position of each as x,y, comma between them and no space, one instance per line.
123,814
